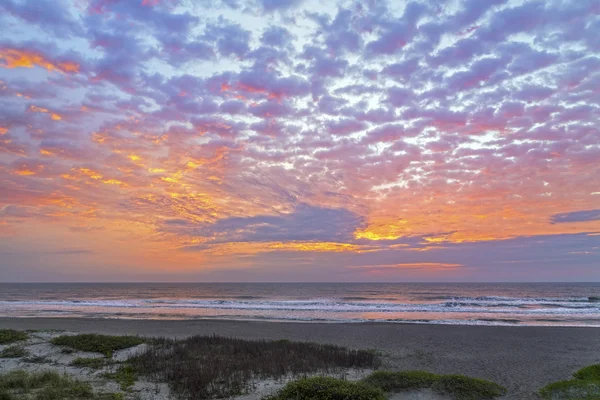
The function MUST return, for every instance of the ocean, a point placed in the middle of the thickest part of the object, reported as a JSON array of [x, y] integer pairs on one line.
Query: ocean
[[554, 304]]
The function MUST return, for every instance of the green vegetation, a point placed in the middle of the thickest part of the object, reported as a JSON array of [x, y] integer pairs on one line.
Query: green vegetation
[[42, 386], [215, 367], [584, 386], [467, 388], [97, 343], [591, 373], [126, 376], [36, 360], [14, 352], [458, 386], [375, 385], [92, 363], [10, 336], [398, 381], [327, 389]]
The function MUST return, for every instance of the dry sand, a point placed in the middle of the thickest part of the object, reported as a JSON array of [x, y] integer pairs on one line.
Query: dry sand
[[521, 358]]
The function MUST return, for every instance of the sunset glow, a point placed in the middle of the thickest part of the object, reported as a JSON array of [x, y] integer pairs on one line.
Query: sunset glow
[[302, 140]]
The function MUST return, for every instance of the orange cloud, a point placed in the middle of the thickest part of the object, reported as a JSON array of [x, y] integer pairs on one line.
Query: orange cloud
[[3, 131], [16, 58], [54, 116], [114, 182], [26, 170], [254, 247], [418, 265]]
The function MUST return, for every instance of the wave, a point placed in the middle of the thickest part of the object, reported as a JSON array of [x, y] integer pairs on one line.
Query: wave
[[487, 304], [583, 299]]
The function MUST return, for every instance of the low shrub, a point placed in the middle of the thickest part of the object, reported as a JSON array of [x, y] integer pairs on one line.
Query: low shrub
[[584, 386], [458, 386], [93, 343], [125, 376], [14, 352], [43, 386], [8, 336], [467, 388], [590, 373], [403, 380], [92, 363], [325, 388]]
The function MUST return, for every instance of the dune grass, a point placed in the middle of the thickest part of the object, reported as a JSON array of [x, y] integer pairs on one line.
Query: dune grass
[[203, 367], [376, 385], [15, 351], [398, 381], [466, 388], [327, 389], [8, 336], [18, 385], [23, 385], [589, 373], [125, 376], [92, 363], [93, 343], [585, 385]]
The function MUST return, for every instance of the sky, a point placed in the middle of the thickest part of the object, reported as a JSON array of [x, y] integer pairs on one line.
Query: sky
[[299, 140]]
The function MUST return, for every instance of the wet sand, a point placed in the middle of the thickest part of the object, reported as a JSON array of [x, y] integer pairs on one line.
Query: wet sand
[[523, 359]]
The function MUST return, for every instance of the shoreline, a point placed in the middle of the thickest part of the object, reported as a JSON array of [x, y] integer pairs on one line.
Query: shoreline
[[523, 359], [487, 323]]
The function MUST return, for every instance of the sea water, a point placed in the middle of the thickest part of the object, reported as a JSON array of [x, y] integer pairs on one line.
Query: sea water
[[557, 304]]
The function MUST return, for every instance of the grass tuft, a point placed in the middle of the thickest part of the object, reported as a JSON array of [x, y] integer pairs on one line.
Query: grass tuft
[[572, 389], [459, 386], [467, 388], [584, 386], [36, 360], [14, 352], [590, 373], [211, 366], [404, 380], [327, 389], [125, 376], [104, 344], [42, 386], [8, 336], [92, 363]]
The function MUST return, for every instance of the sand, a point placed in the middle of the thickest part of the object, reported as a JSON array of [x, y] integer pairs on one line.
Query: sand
[[523, 359]]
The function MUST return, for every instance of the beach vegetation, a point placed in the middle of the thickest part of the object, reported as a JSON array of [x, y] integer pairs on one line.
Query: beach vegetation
[[203, 367], [327, 388], [8, 336], [17, 385], [458, 386], [590, 373], [36, 360], [404, 380], [379, 383], [463, 387], [585, 385], [15, 351], [92, 363], [94, 343], [126, 376]]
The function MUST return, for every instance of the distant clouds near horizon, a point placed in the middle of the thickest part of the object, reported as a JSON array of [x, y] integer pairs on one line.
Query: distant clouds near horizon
[[267, 140]]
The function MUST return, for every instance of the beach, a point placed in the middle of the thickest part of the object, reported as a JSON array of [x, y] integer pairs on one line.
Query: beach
[[523, 359]]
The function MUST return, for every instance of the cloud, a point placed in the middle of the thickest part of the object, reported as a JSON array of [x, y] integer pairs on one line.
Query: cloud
[[576, 216], [305, 223], [398, 130], [275, 5], [12, 57]]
